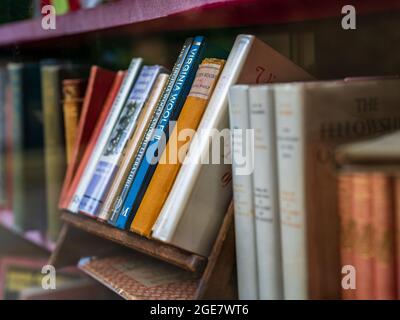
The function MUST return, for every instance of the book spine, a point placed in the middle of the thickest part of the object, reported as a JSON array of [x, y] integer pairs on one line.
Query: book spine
[[3, 139], [160, 137], [112, 117], [54, 146], [149, 132], [265, 193], [122, 131], [397, 229], [382, 216], [363, 257], [216, 116], [73, 98], [132, 146], [245, 233], [189, 118], [18, 202], [345, 192], [291, 167]]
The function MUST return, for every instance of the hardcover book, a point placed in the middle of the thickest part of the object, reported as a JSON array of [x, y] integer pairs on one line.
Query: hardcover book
[[73, 94], [28, 178], [54, 153]]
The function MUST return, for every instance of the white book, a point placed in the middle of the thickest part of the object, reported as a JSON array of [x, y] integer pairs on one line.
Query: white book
[[194, 210], [265, 193], [245, 234], [112, 117]]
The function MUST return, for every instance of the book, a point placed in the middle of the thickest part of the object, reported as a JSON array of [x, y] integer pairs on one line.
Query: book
[[96, 132], [80, 183], [136, 276], [73, 93], [156, 145], [363, 239], [131, 148], [265, 193], [169, 165], [397, 229], [383, 237], [3, 138], [99, 84], [149, 132], [28, 176], [122, 131], [347, 227], [193, 212], [54, 152], [312, 119], [245, 233]]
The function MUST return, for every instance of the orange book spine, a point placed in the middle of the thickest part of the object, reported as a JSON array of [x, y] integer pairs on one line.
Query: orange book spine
[[73, 90], [173, 155], [383, 236], [363, 259], [397, 229], [345, 185], [71, 181]]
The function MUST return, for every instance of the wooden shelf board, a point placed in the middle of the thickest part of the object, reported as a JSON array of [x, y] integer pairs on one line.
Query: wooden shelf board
[[163, 251], [35, 237], [166, 15]]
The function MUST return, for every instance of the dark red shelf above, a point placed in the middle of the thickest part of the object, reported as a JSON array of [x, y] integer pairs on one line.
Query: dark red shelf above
[[167, 15]]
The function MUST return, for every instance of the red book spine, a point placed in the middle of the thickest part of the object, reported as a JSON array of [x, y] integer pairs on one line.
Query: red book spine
[[363, 259], [95, 135], [383, 236], [345, 185], [100, 82]]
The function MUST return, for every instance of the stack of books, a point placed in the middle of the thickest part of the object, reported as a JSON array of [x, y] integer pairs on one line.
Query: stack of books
[[285, 183]]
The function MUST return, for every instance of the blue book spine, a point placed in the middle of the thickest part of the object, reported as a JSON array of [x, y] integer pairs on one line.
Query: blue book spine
[[149, 130], [160, 137], [107, 165]]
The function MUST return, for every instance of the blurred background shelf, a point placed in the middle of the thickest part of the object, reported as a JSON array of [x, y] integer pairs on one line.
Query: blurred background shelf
[[35, 237], [150, 16]]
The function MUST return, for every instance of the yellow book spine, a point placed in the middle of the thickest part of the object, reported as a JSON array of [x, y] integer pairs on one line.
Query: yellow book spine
[[72, 90], [173, 155]]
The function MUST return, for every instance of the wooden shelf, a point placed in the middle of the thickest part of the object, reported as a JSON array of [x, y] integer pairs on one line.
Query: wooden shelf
[[173, 255], [35, 237], [216, 281], [137, 16]]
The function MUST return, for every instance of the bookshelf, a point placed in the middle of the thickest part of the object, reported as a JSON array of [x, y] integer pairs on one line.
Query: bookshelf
[[216, 273], [35, 237], [136, 16]]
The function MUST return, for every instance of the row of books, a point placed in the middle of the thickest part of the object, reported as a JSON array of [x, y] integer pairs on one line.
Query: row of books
[[32, 157], [287, 208], [121, 172], [369, 210]]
